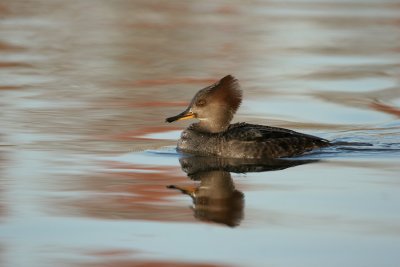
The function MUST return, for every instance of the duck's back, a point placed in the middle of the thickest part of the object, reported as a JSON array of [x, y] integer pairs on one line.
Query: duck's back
[[243, 140], [261, 141]]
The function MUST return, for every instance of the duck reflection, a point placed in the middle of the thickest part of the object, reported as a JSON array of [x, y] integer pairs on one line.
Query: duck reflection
[[216, 199]]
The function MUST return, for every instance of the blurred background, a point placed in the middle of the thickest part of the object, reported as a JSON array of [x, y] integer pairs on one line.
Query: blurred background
[[85, 154]]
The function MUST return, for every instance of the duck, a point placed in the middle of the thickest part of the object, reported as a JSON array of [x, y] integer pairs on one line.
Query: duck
[[213, 134]]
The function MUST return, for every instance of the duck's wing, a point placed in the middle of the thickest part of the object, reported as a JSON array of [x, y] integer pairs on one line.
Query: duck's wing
[[253, 132]]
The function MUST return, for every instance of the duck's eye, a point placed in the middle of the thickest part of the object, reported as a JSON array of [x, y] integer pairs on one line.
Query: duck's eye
[[201, 103]]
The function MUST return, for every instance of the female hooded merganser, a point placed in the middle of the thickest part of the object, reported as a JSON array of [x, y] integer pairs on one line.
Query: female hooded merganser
[[214, 107]]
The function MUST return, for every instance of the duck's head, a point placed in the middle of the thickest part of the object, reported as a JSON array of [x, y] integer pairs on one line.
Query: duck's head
[[214, 106]]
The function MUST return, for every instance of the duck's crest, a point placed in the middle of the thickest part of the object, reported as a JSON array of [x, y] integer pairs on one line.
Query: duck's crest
[[228, 91]]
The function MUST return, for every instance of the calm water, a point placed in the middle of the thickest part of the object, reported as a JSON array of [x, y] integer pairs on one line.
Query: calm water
[[86, 158]]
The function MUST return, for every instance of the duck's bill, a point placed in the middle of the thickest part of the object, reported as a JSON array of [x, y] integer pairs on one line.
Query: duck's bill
[[182, 116]]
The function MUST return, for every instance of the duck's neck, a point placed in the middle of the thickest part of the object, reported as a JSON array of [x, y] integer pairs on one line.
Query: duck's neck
[[211, 126]]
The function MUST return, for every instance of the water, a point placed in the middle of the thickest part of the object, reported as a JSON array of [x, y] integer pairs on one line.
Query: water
[[86, 157]]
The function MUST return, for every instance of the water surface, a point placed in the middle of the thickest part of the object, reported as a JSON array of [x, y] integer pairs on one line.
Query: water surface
[[86, 158]]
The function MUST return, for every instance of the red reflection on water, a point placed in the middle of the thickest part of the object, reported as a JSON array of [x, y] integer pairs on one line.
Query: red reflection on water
[[129, 191], [140, 133], [228, 10], [149, 189], [111, 253], [14, 65], [150, 263], [9, 87], [385, 108], [10, 47], [3, 9]]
